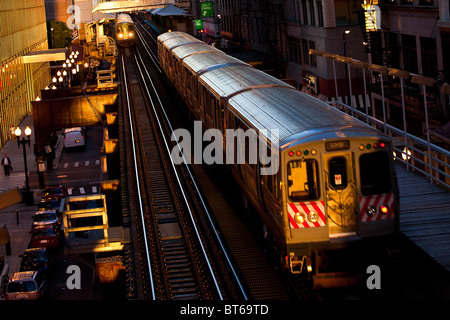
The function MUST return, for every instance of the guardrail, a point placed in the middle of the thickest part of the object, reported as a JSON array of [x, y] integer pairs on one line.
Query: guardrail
[[414, 153], [104, 78]]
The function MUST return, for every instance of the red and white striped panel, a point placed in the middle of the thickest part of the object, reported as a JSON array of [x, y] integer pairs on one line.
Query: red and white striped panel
[[376, 201], [306, 207]]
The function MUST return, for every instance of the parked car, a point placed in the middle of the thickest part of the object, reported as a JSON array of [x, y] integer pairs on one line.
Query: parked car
[[47, 237], [36, 259], [75, 138], [25, 285], [46, 218], [54, 192], [50, 204]]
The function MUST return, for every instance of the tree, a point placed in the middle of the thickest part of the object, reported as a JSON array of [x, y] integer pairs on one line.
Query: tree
[[59, 35]]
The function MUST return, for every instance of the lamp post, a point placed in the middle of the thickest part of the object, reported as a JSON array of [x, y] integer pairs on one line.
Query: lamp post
[[28, 200], [346, 32]]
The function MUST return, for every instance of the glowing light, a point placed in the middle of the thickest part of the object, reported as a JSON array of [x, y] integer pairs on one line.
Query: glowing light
[[28, 130], [406, 154]]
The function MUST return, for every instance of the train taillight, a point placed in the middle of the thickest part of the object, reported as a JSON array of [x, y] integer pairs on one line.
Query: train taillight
[[384, 209]]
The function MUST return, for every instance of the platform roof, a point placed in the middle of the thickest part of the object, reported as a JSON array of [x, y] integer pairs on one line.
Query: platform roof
[[170, 10]]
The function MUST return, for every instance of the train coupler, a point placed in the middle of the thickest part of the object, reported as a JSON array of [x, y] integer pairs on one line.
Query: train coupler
[[296, 264]]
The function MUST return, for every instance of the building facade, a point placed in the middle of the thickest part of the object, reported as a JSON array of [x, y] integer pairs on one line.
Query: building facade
[[412, 35], [22, 30]]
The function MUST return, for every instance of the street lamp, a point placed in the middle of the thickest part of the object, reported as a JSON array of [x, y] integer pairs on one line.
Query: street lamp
[[28, 200]]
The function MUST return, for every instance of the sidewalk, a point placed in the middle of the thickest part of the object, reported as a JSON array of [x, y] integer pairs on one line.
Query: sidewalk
[[15, 153], [19, 229]]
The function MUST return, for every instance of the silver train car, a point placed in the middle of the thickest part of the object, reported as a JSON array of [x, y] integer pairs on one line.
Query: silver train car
[[335, 186], [125, 31]]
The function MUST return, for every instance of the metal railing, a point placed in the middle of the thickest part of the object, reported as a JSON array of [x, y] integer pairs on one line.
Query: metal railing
[[414, 153]]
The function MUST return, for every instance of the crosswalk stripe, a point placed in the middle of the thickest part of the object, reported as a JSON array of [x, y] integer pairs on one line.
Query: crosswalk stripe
[[94, 189], [86, 163], [77, 164], [66, 165], [82, 191], [97, 162]]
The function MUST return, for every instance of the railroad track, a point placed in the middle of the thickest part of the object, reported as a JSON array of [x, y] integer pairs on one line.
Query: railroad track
[[258, 276], [173, 255]]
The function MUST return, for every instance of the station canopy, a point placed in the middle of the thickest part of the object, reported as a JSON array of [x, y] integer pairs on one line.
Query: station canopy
[[170, 10]]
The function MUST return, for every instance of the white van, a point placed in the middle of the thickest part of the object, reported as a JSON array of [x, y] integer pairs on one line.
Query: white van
[[75, 138]]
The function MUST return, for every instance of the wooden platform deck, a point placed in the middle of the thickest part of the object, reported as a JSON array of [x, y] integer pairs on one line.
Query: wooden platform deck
[[425, 215]]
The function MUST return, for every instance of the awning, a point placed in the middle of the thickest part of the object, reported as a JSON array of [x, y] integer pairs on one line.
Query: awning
[[45, 55]]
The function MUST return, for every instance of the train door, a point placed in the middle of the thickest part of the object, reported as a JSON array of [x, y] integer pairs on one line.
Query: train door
[[340, 193]]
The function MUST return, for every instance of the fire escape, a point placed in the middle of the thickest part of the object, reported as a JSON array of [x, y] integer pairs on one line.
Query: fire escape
[[261, 22]]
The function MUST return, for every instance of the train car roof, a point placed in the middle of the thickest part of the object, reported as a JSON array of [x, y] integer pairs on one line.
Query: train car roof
[[123, 17], [174, 42], [193, 48], [230, 80], [288, 110], [175, 34], [262, 100], [202, 62]]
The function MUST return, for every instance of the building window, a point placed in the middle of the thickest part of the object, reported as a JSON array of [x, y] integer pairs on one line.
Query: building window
[[305, 12], [409, 53], [305, 51], [426, 2], [294, 50], [311, 12], [429, 57], [313, 58], [297, 10], [406, 2], [392, 50], [345, 14], [319, 13]]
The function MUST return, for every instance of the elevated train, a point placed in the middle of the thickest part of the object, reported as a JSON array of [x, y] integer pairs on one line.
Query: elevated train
[[336, 186], [125, 31]]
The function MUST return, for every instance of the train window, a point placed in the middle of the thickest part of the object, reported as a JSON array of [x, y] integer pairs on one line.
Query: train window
[[338, 172], [303, 180], [375, 173]]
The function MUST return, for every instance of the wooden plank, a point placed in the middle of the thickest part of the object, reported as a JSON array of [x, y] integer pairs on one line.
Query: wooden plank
[[425, 214]]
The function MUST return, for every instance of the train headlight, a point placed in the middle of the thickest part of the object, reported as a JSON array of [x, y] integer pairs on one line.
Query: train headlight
[[120, 36], [299, 218], [313, 217], [371, 211], [130, 34], [384, 209]]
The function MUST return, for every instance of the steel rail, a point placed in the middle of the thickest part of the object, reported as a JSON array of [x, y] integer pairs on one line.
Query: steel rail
[[194, 224], [208, 214], [138, 179]]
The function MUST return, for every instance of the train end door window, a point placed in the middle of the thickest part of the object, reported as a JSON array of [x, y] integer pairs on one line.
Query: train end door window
[[338, 173], [303, 180]]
